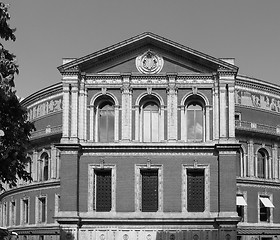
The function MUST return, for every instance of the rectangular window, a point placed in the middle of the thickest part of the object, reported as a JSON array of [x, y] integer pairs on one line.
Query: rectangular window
[[5, 214], [240, 206], [149, 190], [265, 206], [195, 190], [42, 209], [25, 211], [103, 187], [13, 213]]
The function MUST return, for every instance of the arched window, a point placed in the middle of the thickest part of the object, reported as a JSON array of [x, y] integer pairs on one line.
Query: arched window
[[262, 163], [105, 120], [194, 120], [43, 167], [150, 120]]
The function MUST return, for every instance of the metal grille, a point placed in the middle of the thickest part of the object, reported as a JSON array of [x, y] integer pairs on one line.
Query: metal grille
[[149, 190], [195, 179], [103, 190]]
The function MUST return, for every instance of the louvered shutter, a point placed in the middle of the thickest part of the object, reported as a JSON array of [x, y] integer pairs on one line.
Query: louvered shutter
[[195, 200], [149, 190], [103, 190]]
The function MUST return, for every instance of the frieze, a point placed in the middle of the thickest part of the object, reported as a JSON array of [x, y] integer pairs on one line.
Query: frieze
[[44, 108], [146, 153], [257, 100]]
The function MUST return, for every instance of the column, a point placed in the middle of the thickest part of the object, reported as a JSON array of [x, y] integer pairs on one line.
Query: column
[[74, 113], [172, 110], [222, 110], [81, 110], [275, 161], [137, 123], [207, 124], [251, 158], [53, 163], [116, 127], [34, 166], [216, 120], [66, 98], [126, 108], [231, 111], [183, 123]]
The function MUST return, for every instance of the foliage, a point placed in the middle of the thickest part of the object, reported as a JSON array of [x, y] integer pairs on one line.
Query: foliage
[[13, 116]]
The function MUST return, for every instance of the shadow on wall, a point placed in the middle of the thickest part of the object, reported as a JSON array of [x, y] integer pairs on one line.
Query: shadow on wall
[[66, 235]]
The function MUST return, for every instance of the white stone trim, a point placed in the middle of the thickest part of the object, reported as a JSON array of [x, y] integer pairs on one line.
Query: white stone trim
[[138, 185], [66, 111], [231, 112], [92, 182], [74, 113], [206, 169], [38, 212], [93, 115], [270, 196], [22, 213]]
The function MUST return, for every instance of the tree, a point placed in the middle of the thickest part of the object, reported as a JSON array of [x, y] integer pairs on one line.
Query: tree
[[16, 129]]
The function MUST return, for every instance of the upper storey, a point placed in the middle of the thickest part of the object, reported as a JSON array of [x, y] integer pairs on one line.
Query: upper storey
[[148, 89]]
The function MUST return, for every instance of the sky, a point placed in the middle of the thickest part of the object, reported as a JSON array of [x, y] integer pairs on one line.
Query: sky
[[49, 30]]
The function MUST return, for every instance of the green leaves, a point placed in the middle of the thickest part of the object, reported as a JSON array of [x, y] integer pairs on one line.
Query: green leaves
[[13, 117]]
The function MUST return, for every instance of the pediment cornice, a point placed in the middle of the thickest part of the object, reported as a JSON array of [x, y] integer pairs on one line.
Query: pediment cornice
[[141, 40]]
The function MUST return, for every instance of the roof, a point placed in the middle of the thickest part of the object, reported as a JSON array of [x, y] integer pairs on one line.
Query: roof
[[145, 39]]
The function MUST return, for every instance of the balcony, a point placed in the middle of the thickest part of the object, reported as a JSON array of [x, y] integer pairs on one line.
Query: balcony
[[257, 128]]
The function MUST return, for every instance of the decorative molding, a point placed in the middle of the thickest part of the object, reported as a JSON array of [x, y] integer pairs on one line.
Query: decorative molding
[[206, 169], [138, 185], [92, 182], [149, 63]]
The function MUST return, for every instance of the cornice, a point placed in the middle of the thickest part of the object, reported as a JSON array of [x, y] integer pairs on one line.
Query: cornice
[[43, 93], [256, 182], [250, 82], [33, 186], [150, 38]]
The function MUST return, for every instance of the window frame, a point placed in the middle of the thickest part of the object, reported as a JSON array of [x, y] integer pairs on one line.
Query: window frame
[[270, 197], [245, 208], [92, 186], [206, 169], [138, 185], [39, 209], [96, 101], [202, 100], [25, 213], [13, 212]]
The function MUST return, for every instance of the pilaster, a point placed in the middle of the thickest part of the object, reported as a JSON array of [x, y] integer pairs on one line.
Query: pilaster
[[82, 110], [172, 105], [34, 166], [222, 110], [66, 112], [126, 108], [275, 161], [231, 111], [53, 163], [74, 112], [251, 158]]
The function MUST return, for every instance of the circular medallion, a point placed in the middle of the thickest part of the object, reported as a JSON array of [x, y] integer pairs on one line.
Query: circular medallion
[[125, 237], [149, 63]]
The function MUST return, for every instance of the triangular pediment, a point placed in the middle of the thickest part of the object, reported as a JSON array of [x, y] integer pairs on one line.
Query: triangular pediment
[[152, 50]]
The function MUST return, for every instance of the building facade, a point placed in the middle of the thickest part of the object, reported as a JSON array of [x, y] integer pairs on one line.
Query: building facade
[[150, 139]]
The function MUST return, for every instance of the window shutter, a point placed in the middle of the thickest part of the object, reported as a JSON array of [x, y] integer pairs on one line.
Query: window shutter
[[103, 190], [149, 190], [195, 187]]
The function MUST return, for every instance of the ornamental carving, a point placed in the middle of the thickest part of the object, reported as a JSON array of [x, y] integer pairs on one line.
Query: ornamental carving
[[149, 63], [45, 108]]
